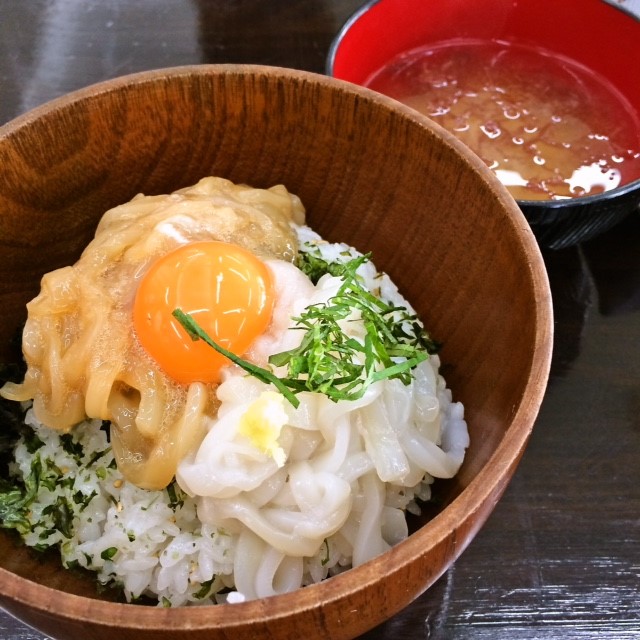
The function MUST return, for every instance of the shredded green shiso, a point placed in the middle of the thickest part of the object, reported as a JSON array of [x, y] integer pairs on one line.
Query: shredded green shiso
[[329, 361]]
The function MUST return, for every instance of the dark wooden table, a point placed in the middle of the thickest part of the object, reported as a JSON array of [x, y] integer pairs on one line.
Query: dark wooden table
[[560, 556]]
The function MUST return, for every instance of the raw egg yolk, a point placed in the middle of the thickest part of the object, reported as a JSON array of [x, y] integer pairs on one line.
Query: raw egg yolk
[[226, 289]]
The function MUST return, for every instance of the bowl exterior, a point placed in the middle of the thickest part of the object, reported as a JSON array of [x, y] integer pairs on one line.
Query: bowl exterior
[[371, 173], [565, 223]]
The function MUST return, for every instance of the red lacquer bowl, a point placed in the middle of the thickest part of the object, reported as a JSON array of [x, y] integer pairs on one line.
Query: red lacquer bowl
[[598, 35]]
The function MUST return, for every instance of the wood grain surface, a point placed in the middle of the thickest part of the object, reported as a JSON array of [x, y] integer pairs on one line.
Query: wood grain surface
[[560, 555]]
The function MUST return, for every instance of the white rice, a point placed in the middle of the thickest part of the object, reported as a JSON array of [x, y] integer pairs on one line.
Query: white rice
[[138, 540]]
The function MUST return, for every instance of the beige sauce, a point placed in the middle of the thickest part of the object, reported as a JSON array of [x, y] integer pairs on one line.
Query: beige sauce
[[83, 357]]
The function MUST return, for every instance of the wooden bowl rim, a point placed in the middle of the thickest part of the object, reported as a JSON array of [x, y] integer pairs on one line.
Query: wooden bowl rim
[[493, 476]]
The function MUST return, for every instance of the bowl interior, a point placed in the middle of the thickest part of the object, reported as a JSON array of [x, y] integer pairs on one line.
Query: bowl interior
[[371, 173], [593, 33]]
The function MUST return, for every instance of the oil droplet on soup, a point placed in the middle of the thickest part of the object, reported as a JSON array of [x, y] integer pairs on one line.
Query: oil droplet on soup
[[547, 126]]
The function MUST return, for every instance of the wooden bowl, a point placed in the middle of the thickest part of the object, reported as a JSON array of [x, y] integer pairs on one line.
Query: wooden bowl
[[370, 173]]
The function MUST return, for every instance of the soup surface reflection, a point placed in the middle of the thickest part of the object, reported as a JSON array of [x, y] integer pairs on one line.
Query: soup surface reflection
[[547, 126]]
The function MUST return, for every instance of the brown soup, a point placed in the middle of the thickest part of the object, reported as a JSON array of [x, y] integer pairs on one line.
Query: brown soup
[[549, 127]]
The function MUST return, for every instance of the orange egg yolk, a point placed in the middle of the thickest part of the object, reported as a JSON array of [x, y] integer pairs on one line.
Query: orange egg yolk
[[227, 291]]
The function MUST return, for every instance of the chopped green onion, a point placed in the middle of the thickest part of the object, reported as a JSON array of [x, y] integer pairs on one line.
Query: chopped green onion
[[109, 553]]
